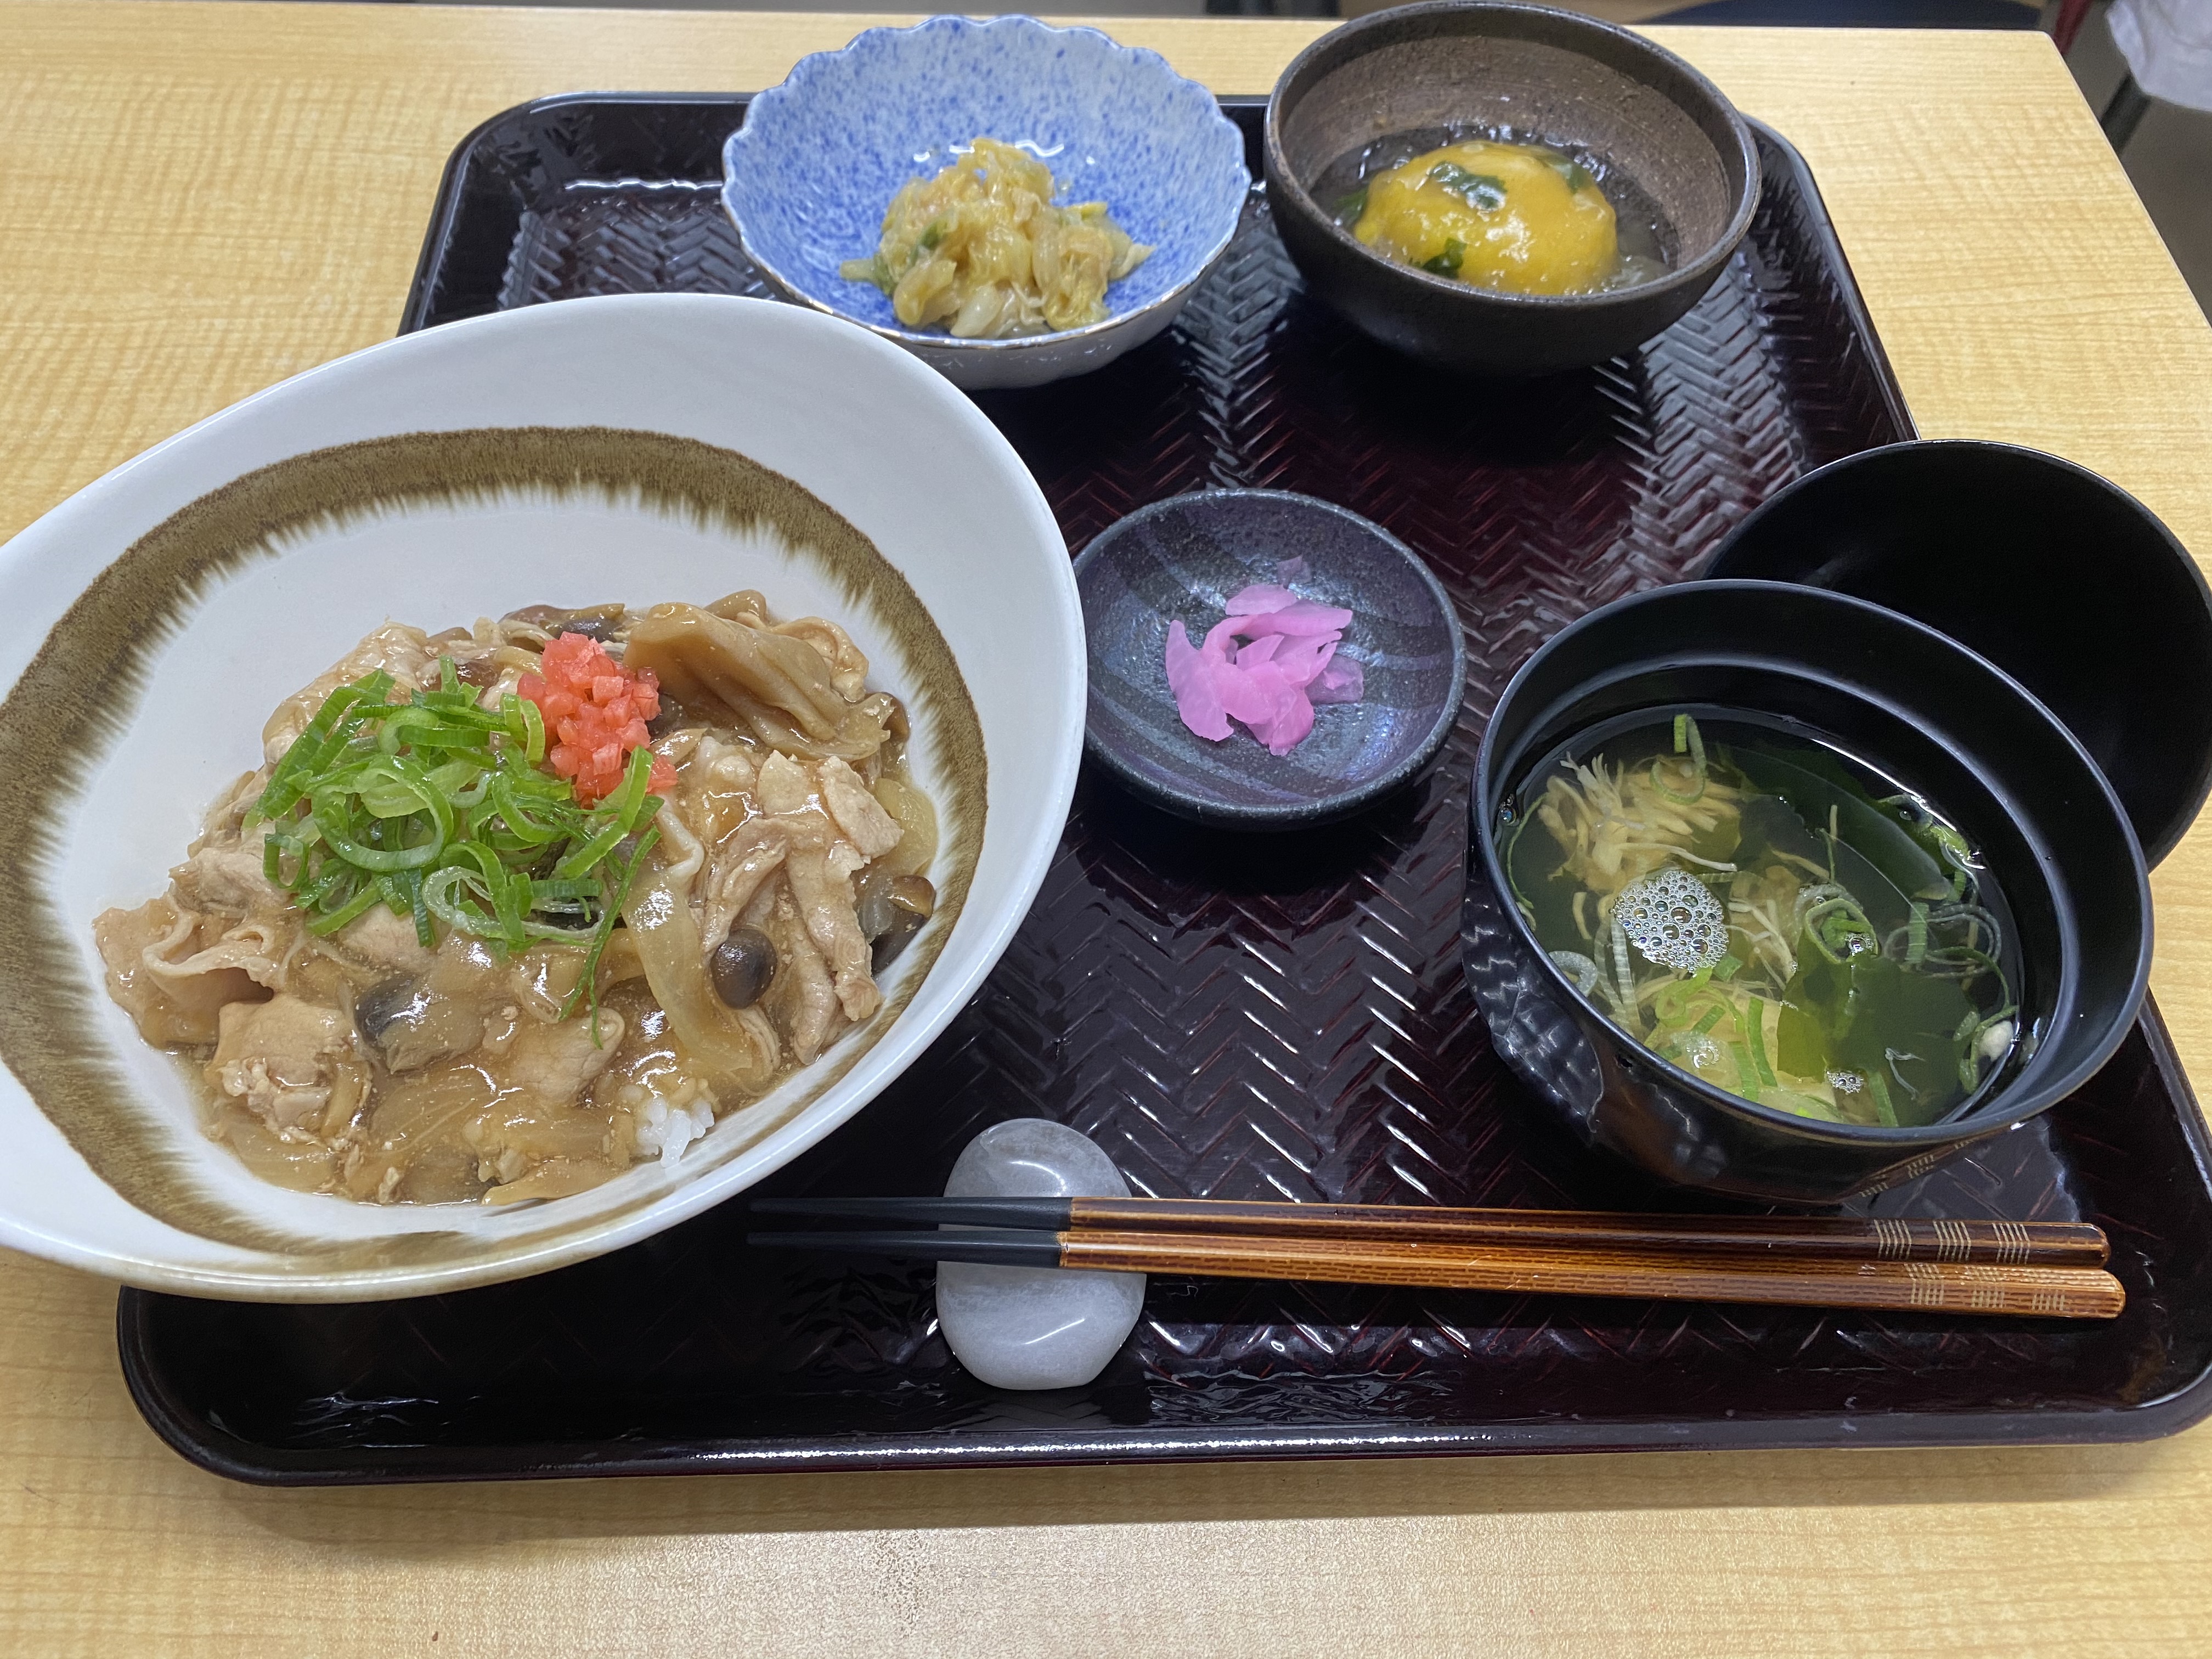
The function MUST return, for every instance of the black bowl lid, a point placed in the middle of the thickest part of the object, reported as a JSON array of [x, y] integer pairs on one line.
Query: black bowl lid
[[2059, 577]]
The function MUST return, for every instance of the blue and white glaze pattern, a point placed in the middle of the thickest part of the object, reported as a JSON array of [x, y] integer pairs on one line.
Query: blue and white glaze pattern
[[808, 176]]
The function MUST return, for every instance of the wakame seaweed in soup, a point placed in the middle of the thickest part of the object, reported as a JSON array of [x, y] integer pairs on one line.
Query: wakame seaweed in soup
[[1761, 911]]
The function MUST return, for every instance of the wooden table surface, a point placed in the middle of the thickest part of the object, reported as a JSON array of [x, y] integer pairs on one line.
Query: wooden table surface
[[200, 198]]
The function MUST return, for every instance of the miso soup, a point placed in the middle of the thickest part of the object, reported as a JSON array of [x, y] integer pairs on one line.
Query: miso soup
[[1770, 914]]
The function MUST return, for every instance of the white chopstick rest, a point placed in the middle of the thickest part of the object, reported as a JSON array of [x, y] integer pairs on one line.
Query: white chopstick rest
[[1035, 1328]]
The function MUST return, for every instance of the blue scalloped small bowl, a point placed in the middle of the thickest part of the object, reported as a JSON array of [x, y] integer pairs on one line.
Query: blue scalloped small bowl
[[808, 176]]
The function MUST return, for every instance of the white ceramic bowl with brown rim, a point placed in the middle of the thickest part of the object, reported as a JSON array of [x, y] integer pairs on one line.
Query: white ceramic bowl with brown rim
[[640, 448]]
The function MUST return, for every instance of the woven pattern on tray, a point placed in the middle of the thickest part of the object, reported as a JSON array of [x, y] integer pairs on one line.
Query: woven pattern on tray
[[1242, 1018]]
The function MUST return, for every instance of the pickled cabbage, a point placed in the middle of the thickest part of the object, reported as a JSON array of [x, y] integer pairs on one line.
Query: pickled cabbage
[[982, 251]]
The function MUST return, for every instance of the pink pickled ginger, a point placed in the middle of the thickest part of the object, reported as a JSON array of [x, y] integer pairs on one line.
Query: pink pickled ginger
[[1340, 681], [1265, 665], [1191, 678]]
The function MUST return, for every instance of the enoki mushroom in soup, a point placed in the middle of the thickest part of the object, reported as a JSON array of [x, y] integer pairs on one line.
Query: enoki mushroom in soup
[[507, 910]]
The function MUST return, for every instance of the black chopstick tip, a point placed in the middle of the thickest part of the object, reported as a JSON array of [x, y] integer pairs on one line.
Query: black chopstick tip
[[1004, 1249], [1052, 1214]]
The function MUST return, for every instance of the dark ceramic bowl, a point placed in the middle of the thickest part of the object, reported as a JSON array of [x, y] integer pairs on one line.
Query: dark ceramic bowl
[[1618, 103], [1920, 708], [1183, 558], [2064, 580]]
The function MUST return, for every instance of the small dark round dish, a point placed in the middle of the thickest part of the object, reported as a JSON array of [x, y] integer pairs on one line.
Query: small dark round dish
[[1920, 708], [2060, 577], [1182, 558], [1609, 98]]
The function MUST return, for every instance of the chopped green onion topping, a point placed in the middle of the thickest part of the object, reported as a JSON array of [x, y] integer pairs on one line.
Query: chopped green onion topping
[[1669, 792], [1955, 853], [439, 810], [1970, 1033], [1757, 1021], [1625, 977], [1687, 725], [1688, 740], [1838, 929], [1883, 1110], [1485, 193], [1747, 1074]]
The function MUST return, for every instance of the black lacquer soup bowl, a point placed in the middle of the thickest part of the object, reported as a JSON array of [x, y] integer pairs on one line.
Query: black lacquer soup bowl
[[1917, 707]]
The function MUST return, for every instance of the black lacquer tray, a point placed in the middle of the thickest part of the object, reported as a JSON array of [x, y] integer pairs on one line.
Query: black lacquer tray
[[1234, 1016]]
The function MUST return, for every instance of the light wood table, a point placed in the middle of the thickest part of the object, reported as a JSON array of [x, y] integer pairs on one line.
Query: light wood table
[[201, 198]]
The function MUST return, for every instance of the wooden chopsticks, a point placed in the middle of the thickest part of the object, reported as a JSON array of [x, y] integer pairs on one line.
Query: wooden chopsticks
[[2046, 1244], [2040, 1269]]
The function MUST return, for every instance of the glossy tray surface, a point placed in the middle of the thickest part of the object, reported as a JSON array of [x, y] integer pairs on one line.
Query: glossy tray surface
[[1230, 1016]]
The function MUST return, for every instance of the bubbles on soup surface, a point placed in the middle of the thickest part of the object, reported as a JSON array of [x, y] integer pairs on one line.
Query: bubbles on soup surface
[[1672, 917]]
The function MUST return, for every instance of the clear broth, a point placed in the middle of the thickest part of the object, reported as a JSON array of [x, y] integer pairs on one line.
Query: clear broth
[[1787, 924]]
